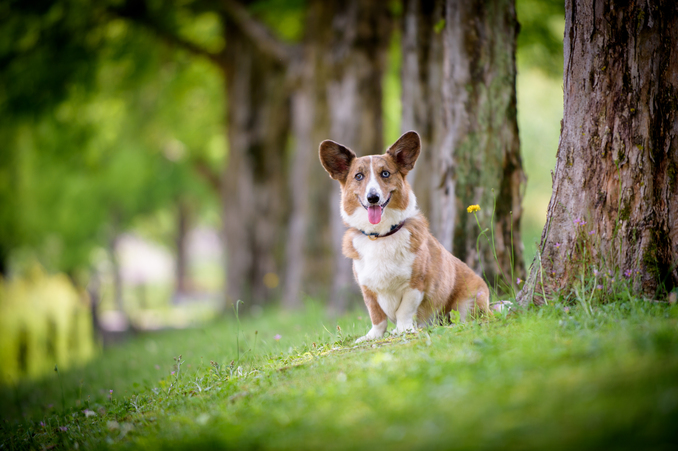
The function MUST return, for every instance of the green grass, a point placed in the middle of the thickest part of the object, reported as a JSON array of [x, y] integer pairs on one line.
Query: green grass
[[551, 377]]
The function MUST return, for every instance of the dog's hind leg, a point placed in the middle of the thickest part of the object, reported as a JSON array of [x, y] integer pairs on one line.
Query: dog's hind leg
[[477, 304]]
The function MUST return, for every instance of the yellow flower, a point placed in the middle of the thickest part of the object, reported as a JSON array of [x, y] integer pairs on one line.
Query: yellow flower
[[473, 208]]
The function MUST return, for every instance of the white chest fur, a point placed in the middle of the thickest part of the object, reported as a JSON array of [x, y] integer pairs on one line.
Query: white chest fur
[[385, 267]]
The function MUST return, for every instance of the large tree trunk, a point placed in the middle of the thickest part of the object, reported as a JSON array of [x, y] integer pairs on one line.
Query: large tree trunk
[[614, 205], [479, 160], [357, 34], [459, 94], [254, 183], [422, 69]]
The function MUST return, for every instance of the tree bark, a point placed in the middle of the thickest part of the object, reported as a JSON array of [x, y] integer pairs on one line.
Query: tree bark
[[478, 161], [422, 69], [254, 182], [614, 205], [356, 35]]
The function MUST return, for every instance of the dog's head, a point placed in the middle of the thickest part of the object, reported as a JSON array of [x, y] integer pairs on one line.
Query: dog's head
[[374, 192]]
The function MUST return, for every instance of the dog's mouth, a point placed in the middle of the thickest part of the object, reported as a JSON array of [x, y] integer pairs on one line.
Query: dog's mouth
[[374, 211]]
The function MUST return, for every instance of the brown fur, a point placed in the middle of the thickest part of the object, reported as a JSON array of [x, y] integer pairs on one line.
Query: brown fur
[[377, 315], [347, 245], [352, 188], [445, 280]]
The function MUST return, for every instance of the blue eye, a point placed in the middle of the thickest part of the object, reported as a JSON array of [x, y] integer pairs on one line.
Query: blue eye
[[359, 176], [385, 174]]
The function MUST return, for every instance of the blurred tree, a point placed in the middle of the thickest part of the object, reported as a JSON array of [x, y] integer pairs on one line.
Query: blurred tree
[[98, 146], [615, 198], [197, 28], [459, 90], [253, 187], [335, 77], [422, 70]]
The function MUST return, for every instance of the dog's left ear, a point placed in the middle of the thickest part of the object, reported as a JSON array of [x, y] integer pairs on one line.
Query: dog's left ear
[[405, 151]]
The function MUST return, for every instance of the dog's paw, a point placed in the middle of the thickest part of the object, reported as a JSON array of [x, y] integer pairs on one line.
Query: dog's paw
[[408, 329], [370, 336]]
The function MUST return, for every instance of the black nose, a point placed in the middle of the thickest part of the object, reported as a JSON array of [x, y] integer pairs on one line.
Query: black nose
[[373, 197]]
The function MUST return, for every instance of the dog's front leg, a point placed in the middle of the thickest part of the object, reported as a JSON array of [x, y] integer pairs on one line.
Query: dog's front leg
[[377, 315], [407, 309]]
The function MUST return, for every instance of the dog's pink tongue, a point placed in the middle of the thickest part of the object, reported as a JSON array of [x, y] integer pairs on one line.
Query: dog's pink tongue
[[374, 214]]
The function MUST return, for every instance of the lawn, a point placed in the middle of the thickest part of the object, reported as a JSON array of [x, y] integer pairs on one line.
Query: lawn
[[551, 377]]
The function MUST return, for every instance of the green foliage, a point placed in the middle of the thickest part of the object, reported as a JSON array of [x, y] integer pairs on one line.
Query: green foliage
[[285, 17], [550, 375], [540, 41], [124, 147], [45, 47], [44, 321]]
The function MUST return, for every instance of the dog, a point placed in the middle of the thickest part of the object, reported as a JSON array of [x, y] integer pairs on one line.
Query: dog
[[404, 273]]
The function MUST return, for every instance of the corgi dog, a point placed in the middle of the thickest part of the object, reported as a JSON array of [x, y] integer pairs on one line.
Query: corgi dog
[[404, 273]]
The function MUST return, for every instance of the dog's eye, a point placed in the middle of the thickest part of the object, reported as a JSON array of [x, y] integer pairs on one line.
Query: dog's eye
[[385, 174], [359, 176]]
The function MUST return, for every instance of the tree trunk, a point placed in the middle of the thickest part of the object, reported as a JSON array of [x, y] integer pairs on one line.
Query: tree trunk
[[254, 183], [422, 50], [478, 161], [335, 89], [357, 33], [181, 275], [305, 260], [614, 205]]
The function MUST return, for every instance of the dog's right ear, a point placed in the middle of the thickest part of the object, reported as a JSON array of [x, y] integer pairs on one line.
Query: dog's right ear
[[336, 159]]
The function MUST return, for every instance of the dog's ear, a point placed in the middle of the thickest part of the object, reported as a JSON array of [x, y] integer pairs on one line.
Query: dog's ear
[[405, 151], [336, 159]]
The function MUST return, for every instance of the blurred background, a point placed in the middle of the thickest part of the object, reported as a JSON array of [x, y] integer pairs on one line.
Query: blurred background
[[119, 193]]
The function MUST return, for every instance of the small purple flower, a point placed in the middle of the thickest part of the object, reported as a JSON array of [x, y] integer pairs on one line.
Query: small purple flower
[[110, 391], [42, 424], [277, 337], [628, 273], [595, 272], [557, 245], [173, 373], [577, 221], [63, 428], [519, 280], [582, 222], [599, 287], [592, 232]]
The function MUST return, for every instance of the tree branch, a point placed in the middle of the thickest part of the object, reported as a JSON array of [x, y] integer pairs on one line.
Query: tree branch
[[137, 12], [260, 35], [208, 174]]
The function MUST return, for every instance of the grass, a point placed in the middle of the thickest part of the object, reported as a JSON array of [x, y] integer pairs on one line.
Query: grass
[[553, 377]]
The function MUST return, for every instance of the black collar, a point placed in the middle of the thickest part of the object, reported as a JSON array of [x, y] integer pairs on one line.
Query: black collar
[[394, 229]]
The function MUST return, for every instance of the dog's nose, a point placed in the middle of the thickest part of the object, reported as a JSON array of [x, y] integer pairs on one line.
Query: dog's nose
[[372, 197]]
